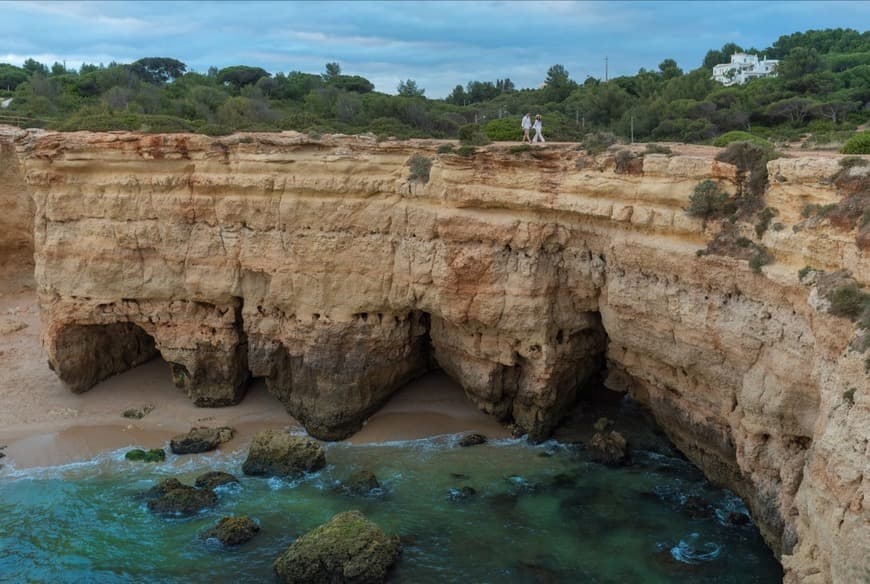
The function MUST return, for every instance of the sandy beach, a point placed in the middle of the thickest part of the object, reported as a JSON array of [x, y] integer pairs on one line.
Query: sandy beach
[[42, 423]]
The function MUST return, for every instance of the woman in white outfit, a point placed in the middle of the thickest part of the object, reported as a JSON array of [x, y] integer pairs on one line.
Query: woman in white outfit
[[538, 127], [527, 125]]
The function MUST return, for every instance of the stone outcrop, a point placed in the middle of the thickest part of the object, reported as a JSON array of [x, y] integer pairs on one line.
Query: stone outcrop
[[318, 265], [347, 548], [275, 453], [201, 439], [232, 531]]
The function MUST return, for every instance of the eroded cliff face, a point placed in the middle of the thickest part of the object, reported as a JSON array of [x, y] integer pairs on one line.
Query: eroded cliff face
[[320, 266]]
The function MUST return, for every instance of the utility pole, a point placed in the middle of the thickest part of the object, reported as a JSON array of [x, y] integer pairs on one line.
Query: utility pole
[[605, 68], [577, 117], [632, 129]]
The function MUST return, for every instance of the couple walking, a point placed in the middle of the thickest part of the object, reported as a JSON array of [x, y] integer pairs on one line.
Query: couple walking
[[538, 126]]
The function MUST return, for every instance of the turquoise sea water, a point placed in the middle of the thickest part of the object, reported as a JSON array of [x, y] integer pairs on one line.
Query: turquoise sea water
[[540, 514]]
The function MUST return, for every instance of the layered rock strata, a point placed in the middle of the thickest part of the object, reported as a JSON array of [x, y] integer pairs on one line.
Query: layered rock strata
[[320, 266]]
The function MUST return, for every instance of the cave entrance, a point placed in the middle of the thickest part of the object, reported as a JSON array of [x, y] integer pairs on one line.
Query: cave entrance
[[84, 355]]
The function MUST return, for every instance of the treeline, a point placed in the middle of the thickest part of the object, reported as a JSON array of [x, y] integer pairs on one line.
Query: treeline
[[822, 88]]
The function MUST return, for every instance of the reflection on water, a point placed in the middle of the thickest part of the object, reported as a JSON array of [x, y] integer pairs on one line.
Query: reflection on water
[[502, 512]]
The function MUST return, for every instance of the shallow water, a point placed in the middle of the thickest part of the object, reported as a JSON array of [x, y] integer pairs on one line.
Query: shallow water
[[541, 514]]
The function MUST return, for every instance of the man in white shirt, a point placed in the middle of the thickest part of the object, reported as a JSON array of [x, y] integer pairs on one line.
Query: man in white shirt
[[527, 125]]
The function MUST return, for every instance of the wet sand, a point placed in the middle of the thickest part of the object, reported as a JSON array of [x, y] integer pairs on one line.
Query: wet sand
[[43, 423]]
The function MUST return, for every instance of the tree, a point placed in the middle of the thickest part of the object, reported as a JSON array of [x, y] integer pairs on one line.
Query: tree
[[333, 70], [794, 109], [409, 89], [158, 70], [457, 96], [241, 75], [58, 69], [11, 76], [505, 85], [32, 66], [558, 83], [835, 110], [799, 62], [669, 69]]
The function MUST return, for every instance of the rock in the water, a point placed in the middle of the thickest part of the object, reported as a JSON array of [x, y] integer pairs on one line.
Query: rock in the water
[[461, 494], [138, 413], [609, 448], [213, 479], [472, 439], [361, 483], [347, 548], [697, 507], [738, 518], [602, 424], [275, 453], [171, 497], [201, 440], [153, 455], [232, 530]]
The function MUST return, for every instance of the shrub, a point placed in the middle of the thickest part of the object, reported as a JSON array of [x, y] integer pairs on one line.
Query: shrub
[[761, 257], [857, 144], [467, 150], [853, 162], [471, 134], [598, 142], [849, 396], [708, 200], [653, 148], [849, 301], [738, 136], [628, 163], [764, 220], [503, 130], [804, 272], [751, 160], [420, 167], [445, 149]]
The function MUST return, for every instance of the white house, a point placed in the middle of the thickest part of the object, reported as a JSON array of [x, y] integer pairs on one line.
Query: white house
[[743, 68]]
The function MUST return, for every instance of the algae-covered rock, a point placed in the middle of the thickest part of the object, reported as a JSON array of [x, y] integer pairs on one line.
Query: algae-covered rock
[[609, 448], [472, 439], [138, 413], [171, 497], [201, 440], [213, 479], [347, 548], [361, 483], [275, 453], [232, 530], [139, 455]]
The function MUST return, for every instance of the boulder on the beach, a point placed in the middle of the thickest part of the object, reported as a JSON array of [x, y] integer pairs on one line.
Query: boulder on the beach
[[275, 453], [347, 548], [472, 439], [152, 455], [232, 530], [214, 479], [609, 448], [172, 497], [138, 413], [201, 439]]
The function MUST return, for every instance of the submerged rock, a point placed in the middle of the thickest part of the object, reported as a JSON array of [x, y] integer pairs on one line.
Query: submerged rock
[[232, 530], [697, 507], [213, 479], [472, 439], [347, 548], [139, 455], [275, 453], [738, 518], [460, 494], [609, 448], [201, 439], [172, 497], [361, 483]]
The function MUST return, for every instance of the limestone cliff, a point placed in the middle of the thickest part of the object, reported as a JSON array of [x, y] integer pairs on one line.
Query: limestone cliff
[[320, 266]]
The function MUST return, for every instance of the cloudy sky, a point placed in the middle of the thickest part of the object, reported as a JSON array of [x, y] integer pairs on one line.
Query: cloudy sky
[[439, 44]]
